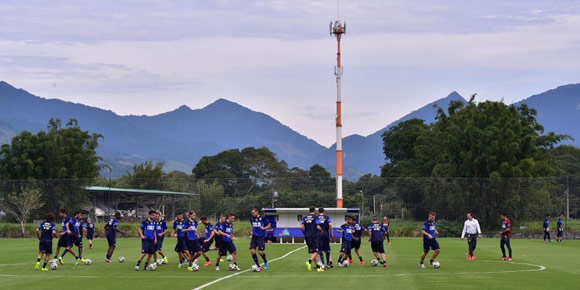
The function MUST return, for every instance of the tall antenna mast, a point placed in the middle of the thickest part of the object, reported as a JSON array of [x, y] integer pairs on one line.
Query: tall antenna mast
[[337, 29]]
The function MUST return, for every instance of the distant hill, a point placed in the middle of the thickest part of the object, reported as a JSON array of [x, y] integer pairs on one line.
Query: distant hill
[[364, 155], [559, 110], [181, 137]]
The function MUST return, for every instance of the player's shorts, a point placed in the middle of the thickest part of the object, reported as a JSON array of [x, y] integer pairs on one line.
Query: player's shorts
[[378, 247], [90, 236], [323, 244], [159, 243], [346, 246], [45, 246], [112, 240], [355, 244], [193, 246], [258, 242], [227, 247], [74, 240], [560, 234], [430, 244], [218, 241], [180, 246], [148, 246], [63, 241], [205, 246], [312, 243]]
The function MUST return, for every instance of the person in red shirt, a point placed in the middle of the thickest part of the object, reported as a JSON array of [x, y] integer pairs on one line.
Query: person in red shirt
[[506, 230]]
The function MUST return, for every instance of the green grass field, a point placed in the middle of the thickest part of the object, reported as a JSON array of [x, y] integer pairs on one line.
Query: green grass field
[[544, 266]]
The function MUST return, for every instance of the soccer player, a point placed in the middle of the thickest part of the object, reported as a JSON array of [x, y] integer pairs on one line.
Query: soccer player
[[161, 229], [111, 231], [547, 228], [190, 229], [148, 235], [218, 237], [63, 240], [325, 235], [560, 235], [377, 235], [429, 239], [259, 225], [45, 231], [310, 232], [207, 239], [506, 230], [180, 247], [347, 230], [226, 230], [471, 227], [387, 226], [358, 233], [74, 237], [90, 232]]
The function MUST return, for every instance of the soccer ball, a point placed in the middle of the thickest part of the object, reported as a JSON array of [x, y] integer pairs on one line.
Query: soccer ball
[[121, 259], [88, 261], [152, 267], [230, 258], [160, 262], [374, 263], [195, 267], [345, 263], [54, 266], [195, 262], [254, 268], [436, 265], [232, 267]]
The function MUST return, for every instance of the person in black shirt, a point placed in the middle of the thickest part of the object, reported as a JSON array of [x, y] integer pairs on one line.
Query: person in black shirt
[[310, 231], [325, 235], [90, 232], [45, 231]]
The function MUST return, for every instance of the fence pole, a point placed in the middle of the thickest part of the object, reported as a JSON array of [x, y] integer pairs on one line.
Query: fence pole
[[374, 205], [567, 203]]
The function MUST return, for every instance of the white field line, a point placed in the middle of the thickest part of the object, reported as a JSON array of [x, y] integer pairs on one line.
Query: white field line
[[244, 271]]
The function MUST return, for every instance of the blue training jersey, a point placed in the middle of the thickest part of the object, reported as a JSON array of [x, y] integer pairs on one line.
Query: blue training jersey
[[377, 232], [73, 225], [560, 224], [208, 229], [148, 228], [324, 222], [309, 223], [257, 223], [160, 227], [90, 228], [429, 227], [546, 223], [358, 229], [110, 224], [191, 234], [64, 222], [46, 229], [81, 228], [348, 230], [178, 226], [227, 228]]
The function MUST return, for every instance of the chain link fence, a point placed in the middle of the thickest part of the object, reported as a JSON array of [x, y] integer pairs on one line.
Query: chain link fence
[[403, 200]]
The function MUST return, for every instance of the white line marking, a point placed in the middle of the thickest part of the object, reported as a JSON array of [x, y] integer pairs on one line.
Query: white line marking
[[244, 271]]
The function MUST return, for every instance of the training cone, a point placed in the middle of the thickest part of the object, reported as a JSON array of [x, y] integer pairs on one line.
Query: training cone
[[523, 255]]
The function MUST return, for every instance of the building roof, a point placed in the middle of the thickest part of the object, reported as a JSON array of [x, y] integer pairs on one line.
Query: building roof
[[286, 209], [129, 190]]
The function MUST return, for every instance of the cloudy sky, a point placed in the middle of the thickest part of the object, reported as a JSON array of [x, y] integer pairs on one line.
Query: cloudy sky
[[149, 57]]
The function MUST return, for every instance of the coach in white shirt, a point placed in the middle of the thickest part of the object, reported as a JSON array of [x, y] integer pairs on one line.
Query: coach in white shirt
[[472, 229]]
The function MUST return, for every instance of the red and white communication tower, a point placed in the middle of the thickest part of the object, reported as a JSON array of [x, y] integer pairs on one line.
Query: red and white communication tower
[[338, 28]]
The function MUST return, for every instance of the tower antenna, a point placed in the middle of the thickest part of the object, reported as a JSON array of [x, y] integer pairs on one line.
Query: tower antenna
[[337, 29]]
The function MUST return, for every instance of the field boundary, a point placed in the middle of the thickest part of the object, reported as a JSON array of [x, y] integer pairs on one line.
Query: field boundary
[[247, 270]]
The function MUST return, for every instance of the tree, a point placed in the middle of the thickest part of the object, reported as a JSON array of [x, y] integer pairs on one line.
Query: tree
[[146, 175], [568, 159], [58, 153], [20, 205]]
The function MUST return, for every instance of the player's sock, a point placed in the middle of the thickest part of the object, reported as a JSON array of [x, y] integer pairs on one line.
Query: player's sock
[[264, 258], [350, 257], [235, 263], [322, 259], [38, 260], [138, 263], [328, 258], [309, 261], [340, 259], [44, 265], [63, 253], [431, 262], [360, 258], [206, 259], [255, 257], [80, 253]]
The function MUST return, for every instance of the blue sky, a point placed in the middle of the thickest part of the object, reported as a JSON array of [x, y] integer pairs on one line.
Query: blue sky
[[149, 57]]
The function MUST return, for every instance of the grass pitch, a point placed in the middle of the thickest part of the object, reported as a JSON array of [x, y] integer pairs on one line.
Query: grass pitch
[[544, 266]]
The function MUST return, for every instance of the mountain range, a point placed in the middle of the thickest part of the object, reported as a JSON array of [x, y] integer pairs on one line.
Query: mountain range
[[181, 137]]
